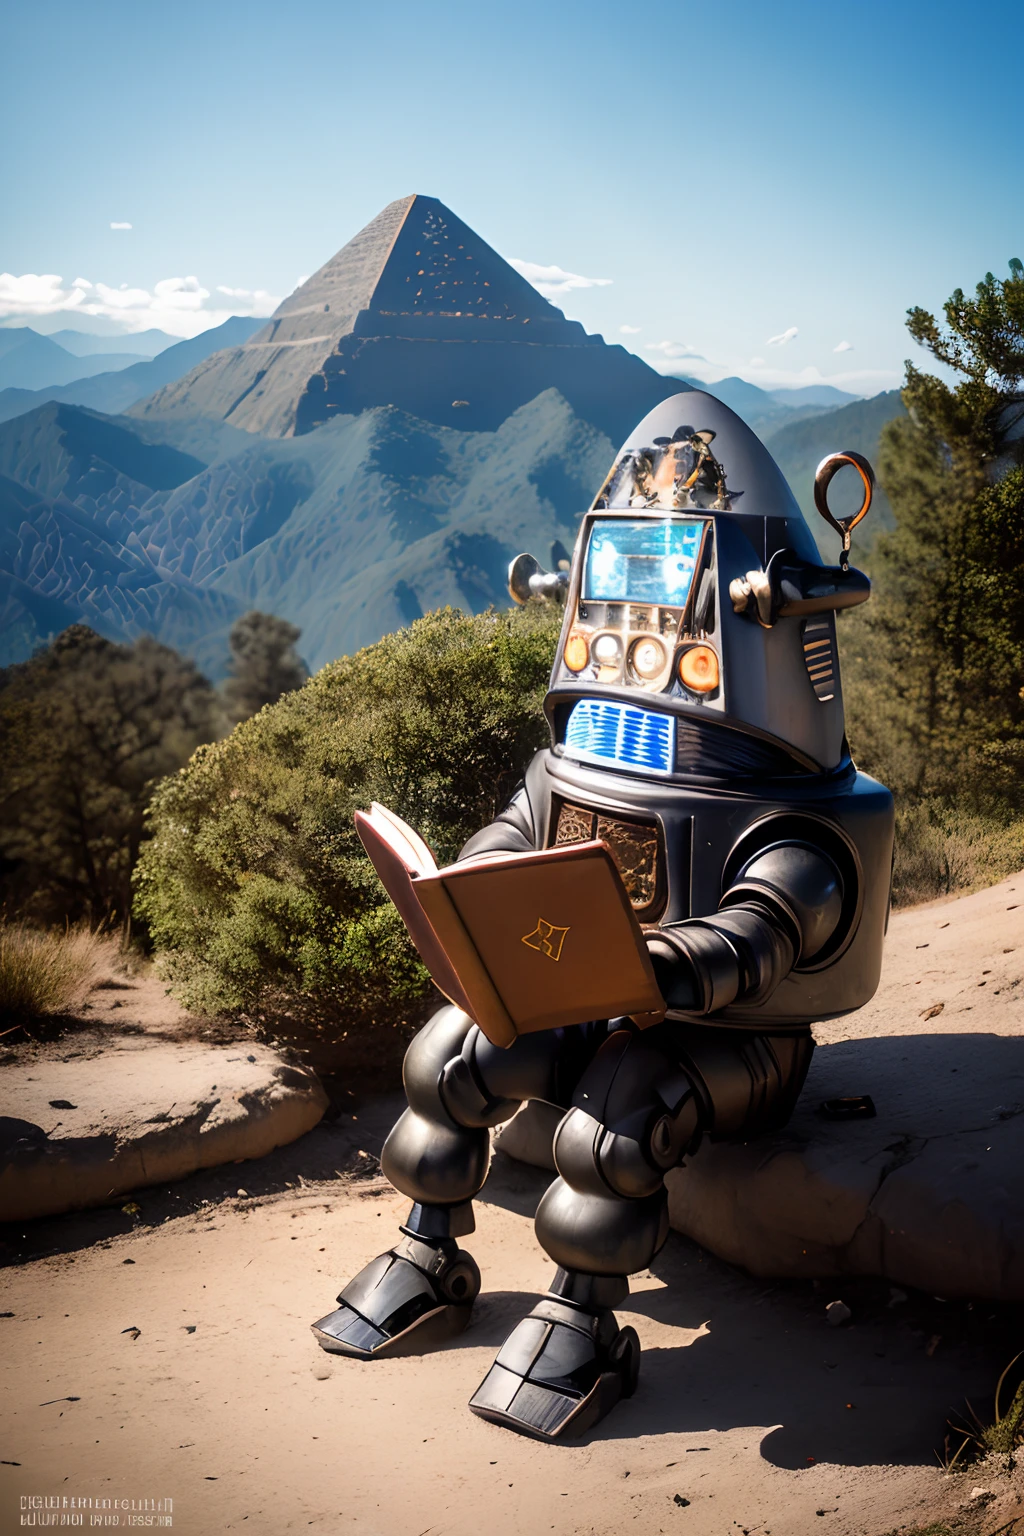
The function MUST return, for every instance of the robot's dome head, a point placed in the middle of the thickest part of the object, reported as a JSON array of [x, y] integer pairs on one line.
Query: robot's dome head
[[666, 663]]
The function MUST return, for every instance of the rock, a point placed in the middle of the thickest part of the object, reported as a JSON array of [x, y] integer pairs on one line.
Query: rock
[[529, 1134], [152, 1117], [930, 1194], [837, 1313]]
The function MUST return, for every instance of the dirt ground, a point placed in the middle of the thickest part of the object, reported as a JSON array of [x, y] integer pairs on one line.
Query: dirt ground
[[750, 1407], [163, 1352]]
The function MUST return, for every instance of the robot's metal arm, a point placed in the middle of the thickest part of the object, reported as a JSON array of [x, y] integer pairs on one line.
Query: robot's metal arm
[[783, 908], [511, 831], [792, 586]]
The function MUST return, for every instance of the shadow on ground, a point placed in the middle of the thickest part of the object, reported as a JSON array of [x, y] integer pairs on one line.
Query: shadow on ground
[[878, 1390]]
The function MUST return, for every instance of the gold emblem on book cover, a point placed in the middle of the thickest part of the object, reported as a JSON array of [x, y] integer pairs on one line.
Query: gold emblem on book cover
[[547, 939]]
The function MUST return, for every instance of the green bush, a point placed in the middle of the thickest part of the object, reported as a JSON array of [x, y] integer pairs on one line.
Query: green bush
[[255, 888]]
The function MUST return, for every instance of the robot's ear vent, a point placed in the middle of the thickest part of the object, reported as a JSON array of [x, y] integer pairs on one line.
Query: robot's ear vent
[[819, 641]]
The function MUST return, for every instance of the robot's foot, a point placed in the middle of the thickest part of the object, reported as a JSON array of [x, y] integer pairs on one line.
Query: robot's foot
[[407, 1301], [559, 1371]]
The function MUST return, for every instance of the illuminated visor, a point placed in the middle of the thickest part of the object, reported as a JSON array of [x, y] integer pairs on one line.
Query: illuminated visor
[[652, 561]]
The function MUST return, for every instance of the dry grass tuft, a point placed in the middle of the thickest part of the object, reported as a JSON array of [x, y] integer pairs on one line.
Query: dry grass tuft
[[50, 972]]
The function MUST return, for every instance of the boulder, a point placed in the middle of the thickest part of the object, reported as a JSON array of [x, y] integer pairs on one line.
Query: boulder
[[83, 1130]]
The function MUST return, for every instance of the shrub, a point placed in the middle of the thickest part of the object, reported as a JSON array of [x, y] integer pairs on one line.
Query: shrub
[[942, 850], [49, 972], [254, 885]]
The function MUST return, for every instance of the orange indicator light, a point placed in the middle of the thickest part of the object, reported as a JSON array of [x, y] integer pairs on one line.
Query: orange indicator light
[[698, 668], [577, 652]]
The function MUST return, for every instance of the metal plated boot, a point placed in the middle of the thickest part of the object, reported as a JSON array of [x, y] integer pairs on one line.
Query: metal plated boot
[[408, 1301], [559, 1371]]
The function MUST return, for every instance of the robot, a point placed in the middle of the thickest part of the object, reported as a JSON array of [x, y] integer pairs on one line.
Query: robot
[[696, 726]]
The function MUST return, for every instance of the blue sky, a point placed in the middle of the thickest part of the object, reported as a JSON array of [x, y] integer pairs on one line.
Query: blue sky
[[755, 183]]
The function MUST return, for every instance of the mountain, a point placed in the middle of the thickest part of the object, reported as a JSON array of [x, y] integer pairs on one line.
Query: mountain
[[350, 531], [409, 420], [799, 447], [31, 361], [814, 394], [73, 491], [762, 410], [139, 343], [115, 392], [418, 312]]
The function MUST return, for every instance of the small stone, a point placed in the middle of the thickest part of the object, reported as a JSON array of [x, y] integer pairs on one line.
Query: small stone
[[837, 1313], [243, 1194], [678, 1499], [981, 1493]]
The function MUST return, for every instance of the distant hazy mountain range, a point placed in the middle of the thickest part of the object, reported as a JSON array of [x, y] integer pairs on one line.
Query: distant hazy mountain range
[[408, 421], [113, 389], [31, 361], [138, 343]]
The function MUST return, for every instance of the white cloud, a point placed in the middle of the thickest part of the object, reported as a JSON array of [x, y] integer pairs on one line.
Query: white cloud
[[115, 225], [555, 281], [672, 349], [250, 301], [783, 337], [863, 381], [629, 330], [757, 362], [844, 346], [179, 305]]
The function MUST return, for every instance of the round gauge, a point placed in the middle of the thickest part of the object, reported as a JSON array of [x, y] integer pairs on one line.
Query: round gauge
[[698, 669], [606, 649], [647, 658], [577, 652]]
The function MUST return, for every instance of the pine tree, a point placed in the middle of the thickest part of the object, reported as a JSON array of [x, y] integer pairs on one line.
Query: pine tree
[[937, 680], [87, 728], [264, 664]]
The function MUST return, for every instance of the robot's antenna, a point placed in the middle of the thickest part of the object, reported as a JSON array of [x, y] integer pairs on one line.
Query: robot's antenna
[[823, 476]]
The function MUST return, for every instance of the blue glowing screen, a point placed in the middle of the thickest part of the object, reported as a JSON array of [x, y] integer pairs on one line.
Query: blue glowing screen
[[649, 561]]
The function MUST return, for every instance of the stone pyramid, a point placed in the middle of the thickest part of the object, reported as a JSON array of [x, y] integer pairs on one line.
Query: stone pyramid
[[416, 311]]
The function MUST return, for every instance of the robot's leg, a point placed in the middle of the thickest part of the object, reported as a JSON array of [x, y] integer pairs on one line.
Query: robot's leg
[[634, 1115], [421, 1292]]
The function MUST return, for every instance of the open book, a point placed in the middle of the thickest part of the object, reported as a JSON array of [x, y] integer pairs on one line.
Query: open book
[[520, 941]]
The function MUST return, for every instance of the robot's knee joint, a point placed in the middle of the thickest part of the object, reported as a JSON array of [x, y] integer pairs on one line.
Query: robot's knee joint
[[435, 1164], [466, 1099], [593, 1160], [626, 1168]]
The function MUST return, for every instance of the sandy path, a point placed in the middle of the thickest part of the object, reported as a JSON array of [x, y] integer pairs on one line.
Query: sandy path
[[246, 1425]]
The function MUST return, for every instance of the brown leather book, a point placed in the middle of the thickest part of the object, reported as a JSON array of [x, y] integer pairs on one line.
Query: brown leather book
[[520, 941]]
